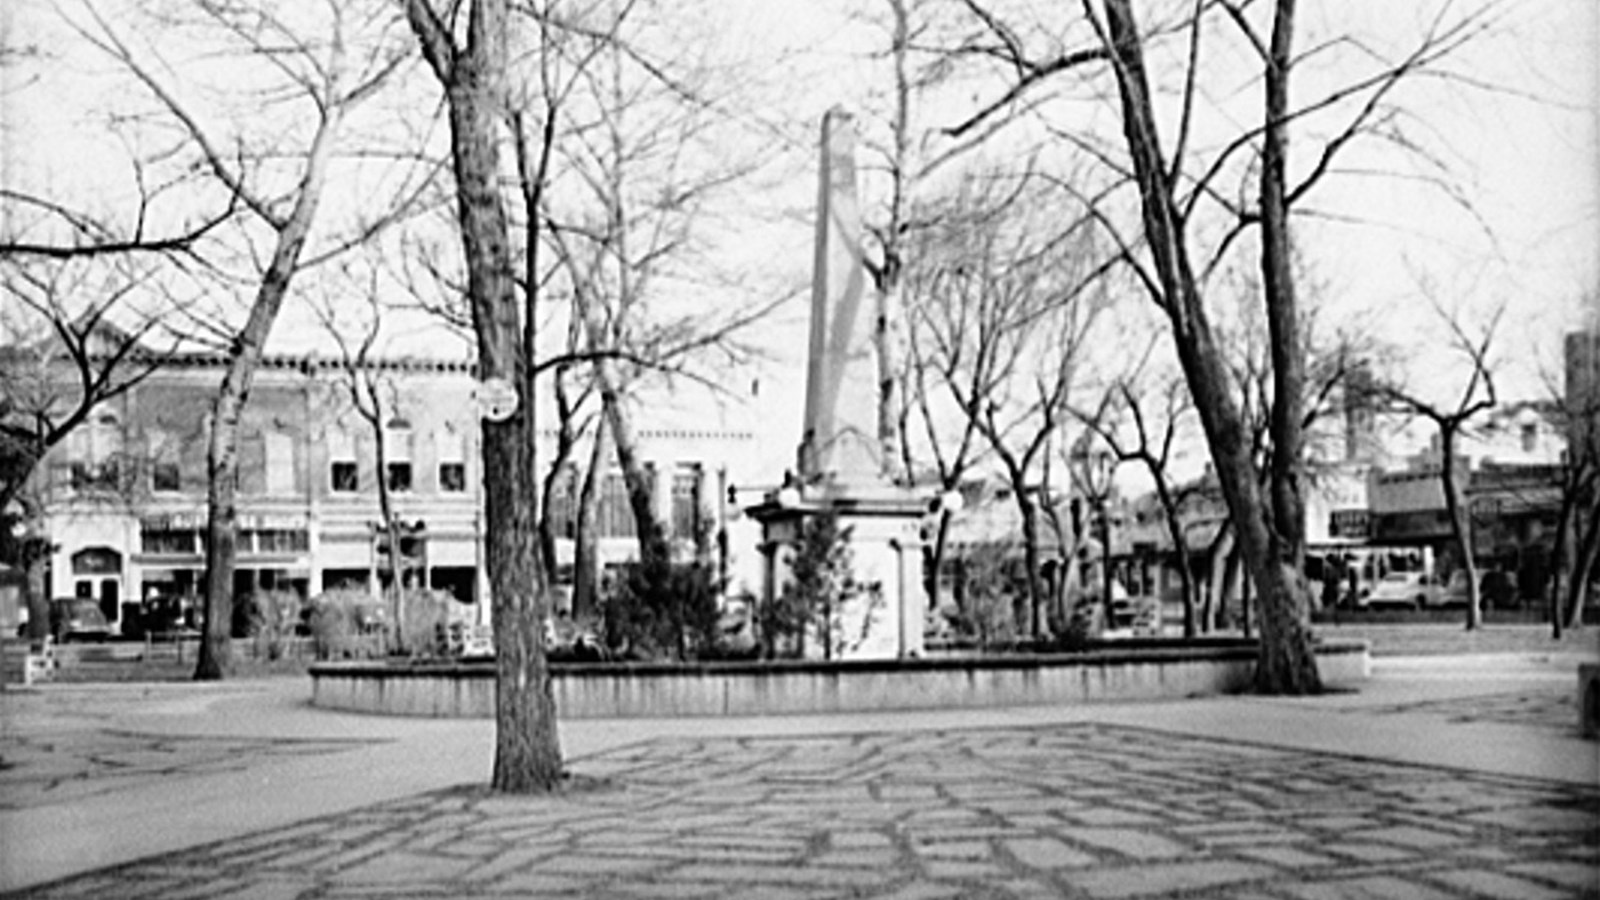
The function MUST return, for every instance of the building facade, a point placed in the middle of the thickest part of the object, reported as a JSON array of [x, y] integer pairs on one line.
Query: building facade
[[124, 497]]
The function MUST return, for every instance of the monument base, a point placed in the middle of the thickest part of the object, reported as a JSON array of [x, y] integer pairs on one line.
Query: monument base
[[883, 617]]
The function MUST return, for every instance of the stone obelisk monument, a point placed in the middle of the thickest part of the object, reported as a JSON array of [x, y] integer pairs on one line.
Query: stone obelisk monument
[[841, 461], [839, 444]]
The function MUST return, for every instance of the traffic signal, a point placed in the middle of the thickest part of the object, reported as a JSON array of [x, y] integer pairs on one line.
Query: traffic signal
[[412, 538]]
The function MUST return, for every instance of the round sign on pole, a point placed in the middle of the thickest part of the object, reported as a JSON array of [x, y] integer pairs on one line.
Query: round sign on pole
[[497, 399]]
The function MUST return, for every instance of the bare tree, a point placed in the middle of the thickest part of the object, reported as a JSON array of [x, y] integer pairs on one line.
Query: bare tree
[[374, 399], [139, 205], [954, 449], [1002, 320], [903, 162], [1155, 423], [472, 72], [1330, 359], [1179, 179], [330, 65], [1476, 396], [90, 237], [639, 160], [906, 168], [83, 333], [1575, 411]]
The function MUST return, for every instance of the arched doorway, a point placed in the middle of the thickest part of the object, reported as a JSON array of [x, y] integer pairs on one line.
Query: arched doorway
[[97, 575]]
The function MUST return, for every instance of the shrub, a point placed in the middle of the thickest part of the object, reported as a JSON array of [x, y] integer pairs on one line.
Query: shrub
[[662, 610], [336, 622], [273, 617], [992, 581], [424, 626], [1085, 622]]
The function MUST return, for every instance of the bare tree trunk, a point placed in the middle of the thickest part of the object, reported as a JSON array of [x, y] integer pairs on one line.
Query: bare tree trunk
[[222, 462], [38, 601], [1283, 314], [1460, 527], [886, 338], [527, 749], [586, 549], [936, 554], [887, 276], [1217, 556], [1558, 561], [1169, 510], [1029, 513], [1583, 562], [222, 473], [653, 549], [1030, 559], [1245, 596], [396, 589], [1285, 664], [1106, 596], [566, 442]]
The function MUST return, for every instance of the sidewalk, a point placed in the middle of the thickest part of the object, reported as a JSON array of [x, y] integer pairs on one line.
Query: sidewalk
[[1444, 777]]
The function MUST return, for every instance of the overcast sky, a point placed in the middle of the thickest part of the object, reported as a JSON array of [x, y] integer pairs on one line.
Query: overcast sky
[[1521, 229]]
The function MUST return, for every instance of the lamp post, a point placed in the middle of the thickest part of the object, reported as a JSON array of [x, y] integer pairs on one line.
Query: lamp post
[[1095, 465]]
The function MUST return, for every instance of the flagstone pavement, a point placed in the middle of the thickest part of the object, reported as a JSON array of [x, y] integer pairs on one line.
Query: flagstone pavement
[[1114, 801]]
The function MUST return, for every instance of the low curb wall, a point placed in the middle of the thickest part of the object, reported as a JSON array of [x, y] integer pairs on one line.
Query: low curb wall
[[617, 690]]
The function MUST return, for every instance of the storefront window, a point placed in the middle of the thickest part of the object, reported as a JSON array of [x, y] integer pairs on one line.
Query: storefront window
[[169, 542], [277, 540]]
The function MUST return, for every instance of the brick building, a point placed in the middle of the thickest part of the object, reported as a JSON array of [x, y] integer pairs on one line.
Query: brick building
[[124, 498]]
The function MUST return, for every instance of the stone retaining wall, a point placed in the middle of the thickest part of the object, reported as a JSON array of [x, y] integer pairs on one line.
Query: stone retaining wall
[[467, 690]]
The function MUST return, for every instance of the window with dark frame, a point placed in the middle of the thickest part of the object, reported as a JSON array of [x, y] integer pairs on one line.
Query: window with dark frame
[[95, 476], [686, 485], [165, 477], [170, 541], [453, 477], [346, 477], [398, 476]]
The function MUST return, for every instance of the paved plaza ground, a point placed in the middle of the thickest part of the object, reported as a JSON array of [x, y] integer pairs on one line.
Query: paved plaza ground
[[1443, 777]]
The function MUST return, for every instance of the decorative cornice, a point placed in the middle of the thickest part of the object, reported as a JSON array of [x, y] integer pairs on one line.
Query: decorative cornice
[[313, 364]]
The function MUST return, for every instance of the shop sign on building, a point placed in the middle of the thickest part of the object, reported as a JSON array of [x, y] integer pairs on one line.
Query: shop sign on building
[[1353, 524]]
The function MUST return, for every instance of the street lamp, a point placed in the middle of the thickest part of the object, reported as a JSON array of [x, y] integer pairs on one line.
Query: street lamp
[[1095, 466]]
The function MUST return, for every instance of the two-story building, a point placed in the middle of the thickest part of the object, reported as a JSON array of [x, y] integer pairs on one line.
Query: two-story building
[[124, 497]]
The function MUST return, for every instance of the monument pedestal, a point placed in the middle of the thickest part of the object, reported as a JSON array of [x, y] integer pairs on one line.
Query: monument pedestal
[[883, 618]]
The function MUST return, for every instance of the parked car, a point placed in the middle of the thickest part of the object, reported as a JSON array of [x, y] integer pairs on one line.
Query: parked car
[[78, 619], [1410, 590]]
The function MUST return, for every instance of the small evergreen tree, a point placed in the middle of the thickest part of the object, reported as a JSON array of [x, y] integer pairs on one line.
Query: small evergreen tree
[[819, 582], [663, 609]]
